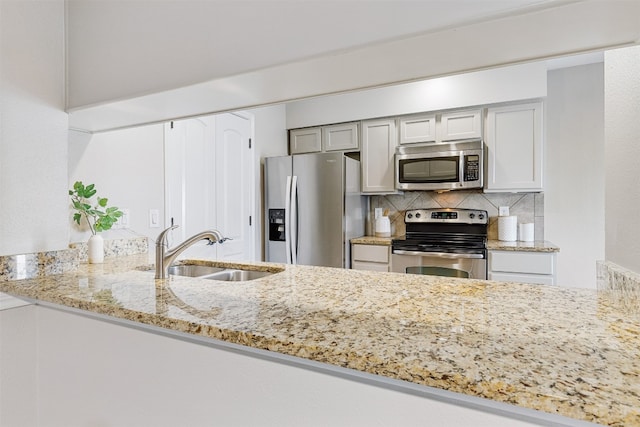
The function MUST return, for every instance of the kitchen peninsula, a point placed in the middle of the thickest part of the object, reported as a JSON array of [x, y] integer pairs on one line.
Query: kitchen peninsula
[[570, 352]]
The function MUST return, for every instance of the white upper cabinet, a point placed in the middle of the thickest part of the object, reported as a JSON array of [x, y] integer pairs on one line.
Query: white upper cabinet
[[514, 143], [461, 125], [418, 128], [379, 140], [340, 137], [307, 140]]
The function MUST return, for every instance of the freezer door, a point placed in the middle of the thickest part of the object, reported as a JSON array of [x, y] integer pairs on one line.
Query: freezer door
[[276, 171], [320, 205]]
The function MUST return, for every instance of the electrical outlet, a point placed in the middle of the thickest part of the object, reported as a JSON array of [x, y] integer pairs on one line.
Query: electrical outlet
[[154, 218], [503, 211], [377, 213]]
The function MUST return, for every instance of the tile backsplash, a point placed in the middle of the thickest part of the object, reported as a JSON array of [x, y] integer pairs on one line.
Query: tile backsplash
[[528, 207]]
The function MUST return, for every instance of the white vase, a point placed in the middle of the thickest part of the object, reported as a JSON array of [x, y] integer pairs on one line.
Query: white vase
[[96, 249]]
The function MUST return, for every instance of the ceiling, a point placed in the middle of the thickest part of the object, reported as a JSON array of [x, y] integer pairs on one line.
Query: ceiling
[[141, 61], [237, 36]]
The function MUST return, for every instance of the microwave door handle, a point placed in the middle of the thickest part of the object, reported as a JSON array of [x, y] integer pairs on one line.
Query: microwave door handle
[[447, 255], [461, 169]]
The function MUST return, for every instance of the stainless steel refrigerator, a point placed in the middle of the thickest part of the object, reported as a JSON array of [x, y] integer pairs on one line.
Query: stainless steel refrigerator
[[313, 209]]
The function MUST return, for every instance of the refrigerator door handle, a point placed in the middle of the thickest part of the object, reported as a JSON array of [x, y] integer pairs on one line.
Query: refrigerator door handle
[[287, 220], [294, 220]]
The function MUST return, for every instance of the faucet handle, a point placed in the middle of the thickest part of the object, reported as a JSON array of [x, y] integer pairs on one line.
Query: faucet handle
[[161, 240], [224, 239]]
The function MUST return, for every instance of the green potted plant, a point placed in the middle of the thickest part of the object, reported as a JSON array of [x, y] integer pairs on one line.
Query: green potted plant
[[98, 216]]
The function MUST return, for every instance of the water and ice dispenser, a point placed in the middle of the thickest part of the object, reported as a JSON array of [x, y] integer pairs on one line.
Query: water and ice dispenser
[[276, 225]]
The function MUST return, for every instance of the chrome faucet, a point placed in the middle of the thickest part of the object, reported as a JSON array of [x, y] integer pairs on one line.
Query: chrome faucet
[[166, 256]]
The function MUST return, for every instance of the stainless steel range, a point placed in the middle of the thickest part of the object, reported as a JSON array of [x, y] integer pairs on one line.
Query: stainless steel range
[[450, 238]]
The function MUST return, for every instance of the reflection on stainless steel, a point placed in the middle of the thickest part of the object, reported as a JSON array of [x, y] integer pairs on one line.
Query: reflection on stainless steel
[[193, 270], [443, 238], [313, 207], [233, 275]]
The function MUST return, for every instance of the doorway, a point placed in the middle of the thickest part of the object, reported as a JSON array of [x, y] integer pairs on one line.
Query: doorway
[[209, 184]]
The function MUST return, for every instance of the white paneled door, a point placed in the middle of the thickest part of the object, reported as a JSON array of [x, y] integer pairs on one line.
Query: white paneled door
[[209, 184], [234, 192]]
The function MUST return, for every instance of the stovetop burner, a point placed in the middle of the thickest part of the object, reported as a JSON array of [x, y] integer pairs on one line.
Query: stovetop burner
[[444, 230]]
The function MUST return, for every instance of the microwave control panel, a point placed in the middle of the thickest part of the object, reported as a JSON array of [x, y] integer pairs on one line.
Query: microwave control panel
[[472, 167]]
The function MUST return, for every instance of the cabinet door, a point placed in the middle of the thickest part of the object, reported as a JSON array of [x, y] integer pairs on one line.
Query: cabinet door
[[308, 140], [379, 142], [514, 148], [419, 128], [340, 137], [461, 125]]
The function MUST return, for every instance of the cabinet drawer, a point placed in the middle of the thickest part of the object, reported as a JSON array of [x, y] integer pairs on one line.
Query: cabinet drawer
[[369, 266], [371, 253], [538, 279], [522, 262]]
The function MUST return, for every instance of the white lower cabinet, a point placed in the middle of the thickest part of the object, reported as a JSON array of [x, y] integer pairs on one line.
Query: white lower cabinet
[[522, 266], [370, 257]]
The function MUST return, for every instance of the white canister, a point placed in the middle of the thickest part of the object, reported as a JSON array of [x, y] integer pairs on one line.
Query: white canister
[[526, 232], [508, 228], [383, 227]]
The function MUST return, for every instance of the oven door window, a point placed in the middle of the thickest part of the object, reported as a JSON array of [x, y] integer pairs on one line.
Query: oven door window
[[438, 169]]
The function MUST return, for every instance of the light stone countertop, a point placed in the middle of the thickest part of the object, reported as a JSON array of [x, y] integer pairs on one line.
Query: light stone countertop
[[571, 352], [535, 246]]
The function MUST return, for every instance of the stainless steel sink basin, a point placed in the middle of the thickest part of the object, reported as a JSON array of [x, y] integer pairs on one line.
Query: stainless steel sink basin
[[216, 273], [234, 275], [192, 270]]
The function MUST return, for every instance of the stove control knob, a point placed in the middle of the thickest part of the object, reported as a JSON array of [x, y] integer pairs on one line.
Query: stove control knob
[[472, 215], [481, 216], [418, 215], [409, 216]]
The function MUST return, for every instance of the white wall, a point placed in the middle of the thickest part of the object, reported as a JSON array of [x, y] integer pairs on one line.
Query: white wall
[[462, 90], [270, 140], [574, 171], [33, 128], [622, 156], [127, 167], [84, 378]]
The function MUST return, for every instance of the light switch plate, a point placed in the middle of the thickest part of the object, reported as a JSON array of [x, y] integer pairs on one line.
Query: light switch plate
[[123, 221], [154, 218], [503, 211]]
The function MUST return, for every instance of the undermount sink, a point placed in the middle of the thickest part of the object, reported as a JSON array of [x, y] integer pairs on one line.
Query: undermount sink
[[234, 275], [216, 273], [193, 270]]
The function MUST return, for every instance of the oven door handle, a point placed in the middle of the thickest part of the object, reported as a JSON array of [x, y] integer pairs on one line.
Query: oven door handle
[[439, 254]]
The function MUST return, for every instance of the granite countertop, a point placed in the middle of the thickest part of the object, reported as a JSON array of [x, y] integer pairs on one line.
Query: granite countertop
[[372, 240], [536, 246], [572, 352]]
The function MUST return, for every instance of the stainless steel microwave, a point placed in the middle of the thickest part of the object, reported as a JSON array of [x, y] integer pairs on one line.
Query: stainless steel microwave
[[440, 166]]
